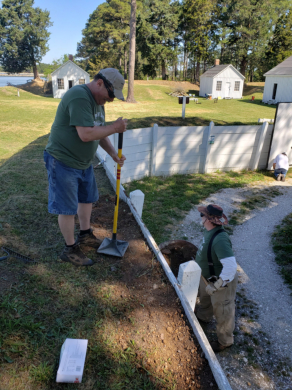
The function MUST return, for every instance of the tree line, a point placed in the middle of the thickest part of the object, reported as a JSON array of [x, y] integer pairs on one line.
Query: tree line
[[188, 35], [172, 37]]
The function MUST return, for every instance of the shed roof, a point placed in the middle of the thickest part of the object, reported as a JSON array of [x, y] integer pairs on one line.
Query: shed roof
[[216, 70], [55, 71], [283, 69]]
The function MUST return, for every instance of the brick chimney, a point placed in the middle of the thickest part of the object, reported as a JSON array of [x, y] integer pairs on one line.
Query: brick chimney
[[217, 62], [70, 57]]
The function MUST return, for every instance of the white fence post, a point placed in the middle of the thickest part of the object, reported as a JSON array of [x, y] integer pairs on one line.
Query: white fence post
[[184, 107], [260, 145], [137, 199], [154, 149], [189, 275], [208, 147]]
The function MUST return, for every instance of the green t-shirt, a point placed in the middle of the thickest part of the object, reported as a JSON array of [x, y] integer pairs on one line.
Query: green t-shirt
[[221, 248], [77, 108]]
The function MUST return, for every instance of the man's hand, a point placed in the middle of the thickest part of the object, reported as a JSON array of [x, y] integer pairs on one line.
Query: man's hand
[[118, 160], [213, 287], [120, 125]]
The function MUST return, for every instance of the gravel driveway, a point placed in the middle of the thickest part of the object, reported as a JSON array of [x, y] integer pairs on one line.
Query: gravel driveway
[[262, 286]]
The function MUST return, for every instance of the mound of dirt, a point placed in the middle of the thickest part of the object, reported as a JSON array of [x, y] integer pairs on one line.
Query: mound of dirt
[[159, 322], [36, 87]]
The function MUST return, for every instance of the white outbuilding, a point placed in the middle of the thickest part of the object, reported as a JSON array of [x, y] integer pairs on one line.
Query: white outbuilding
[[65, 77], [223, 81], [278, 83]]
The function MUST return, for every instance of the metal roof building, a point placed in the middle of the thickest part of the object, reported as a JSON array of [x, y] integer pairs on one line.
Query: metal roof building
[[223, 81], [278, 84]]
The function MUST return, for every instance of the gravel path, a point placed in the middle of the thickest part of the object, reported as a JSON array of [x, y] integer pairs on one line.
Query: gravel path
[[262, 286]]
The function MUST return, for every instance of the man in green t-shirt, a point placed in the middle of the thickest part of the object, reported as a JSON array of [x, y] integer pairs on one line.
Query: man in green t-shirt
[[79, 127], [220, 269]]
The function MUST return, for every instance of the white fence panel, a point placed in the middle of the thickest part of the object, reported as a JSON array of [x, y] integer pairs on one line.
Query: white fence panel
[[188, 149]]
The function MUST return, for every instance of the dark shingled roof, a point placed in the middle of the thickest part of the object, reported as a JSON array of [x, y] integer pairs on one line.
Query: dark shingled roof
[[283, 69], [218, 69]]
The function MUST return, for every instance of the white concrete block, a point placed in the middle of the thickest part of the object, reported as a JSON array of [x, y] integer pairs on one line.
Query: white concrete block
[[189, 278], [137, 199]]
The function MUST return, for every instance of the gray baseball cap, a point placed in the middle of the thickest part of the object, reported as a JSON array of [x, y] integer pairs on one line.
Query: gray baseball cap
[[116, 79]]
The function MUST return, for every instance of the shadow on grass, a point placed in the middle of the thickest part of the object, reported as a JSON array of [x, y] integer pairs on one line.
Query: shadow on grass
[[258, 102], [136, 123], [51, 301]]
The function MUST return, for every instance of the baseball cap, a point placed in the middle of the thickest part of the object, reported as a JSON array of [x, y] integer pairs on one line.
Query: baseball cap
[[116, 80]]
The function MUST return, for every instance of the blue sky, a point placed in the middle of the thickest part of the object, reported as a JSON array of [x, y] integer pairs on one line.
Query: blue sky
[[69, 18]]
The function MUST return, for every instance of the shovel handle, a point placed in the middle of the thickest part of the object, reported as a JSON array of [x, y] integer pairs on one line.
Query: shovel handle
[[120, 146]]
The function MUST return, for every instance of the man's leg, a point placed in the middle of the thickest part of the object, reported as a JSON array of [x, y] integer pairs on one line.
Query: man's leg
[[223, 302], [84, 213], [204, 311], [86, 236], [66, 224], [277, 174], [284, 173]]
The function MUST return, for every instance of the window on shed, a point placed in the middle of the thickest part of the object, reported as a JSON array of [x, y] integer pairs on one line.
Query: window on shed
[[60, 83], [237, 86], [219, 86], [81, 81]]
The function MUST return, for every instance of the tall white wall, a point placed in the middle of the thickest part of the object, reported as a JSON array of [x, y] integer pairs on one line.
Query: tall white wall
[[284, 89], [67, 72], [168, 150]]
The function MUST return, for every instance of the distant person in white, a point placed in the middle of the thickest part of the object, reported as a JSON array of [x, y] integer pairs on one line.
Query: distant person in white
[[281, 166]]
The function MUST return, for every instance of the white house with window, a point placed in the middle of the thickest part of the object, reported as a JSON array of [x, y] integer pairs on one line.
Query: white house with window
[[223, 81], [278, 83], [65, 77]]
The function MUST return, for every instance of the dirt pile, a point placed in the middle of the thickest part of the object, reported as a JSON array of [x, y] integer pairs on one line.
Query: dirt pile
[[35, 86], [166, 348]]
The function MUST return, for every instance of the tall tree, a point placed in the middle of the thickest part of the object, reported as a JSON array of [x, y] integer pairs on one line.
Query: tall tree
[[105, 39], [156, 32], [280, 45], [23, 35], [130, 97], [250, 24]]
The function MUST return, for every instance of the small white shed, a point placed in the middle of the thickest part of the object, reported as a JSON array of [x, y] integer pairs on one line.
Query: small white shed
[[278, 84], [65, 77], [223, 81]]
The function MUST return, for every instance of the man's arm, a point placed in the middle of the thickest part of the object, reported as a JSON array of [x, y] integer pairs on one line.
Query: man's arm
[[87, 134], [106, 144], [274, 165]]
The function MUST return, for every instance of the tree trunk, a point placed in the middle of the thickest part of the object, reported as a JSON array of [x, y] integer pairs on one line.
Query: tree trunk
[[125, 63], [197, 77], [163, 70], [243, 65], [186, 65], [130, 97], [35, 71]]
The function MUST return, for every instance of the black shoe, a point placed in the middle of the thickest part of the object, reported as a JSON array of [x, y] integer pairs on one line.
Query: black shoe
[[217, 347], [88, 239], [204, 321], [74, 255]]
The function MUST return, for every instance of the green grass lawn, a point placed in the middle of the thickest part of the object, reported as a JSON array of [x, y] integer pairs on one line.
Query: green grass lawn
[[29, 116], [52, 301]]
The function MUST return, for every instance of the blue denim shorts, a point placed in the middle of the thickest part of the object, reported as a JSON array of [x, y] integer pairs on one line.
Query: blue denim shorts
[[69, 186]]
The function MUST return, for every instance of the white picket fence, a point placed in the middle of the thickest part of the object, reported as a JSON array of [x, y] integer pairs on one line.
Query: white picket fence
[[163, 151]]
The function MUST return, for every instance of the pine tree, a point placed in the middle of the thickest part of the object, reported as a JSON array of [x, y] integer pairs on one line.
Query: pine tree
[[23, 35], [106, 37], [280, 45], [130, 97], [156, 33]]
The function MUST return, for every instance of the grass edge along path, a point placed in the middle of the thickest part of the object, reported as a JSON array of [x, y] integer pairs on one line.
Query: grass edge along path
[[168, 199], [282, 246]]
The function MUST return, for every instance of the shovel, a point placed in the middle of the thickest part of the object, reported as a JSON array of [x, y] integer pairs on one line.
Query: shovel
[[114, 247]]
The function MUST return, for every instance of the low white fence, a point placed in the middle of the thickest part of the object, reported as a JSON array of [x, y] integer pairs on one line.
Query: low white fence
[[163, 151]]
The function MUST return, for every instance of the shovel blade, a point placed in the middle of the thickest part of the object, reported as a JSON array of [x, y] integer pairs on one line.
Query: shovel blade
[[113, 247]]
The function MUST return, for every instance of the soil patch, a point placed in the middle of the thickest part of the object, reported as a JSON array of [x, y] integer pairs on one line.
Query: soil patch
[[166, 348], [177, 252]]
